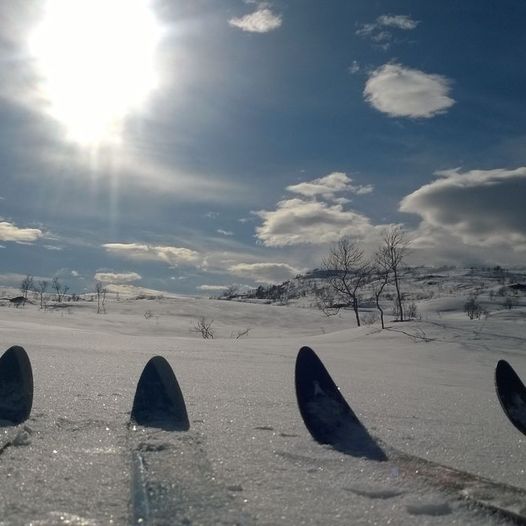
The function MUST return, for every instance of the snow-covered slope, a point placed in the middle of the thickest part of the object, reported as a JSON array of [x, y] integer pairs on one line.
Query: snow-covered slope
[[425, 387]]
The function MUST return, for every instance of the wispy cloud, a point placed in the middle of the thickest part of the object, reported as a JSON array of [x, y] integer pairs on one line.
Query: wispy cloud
[[117, 277], [403, 22], [212, 288], [380, 31], [354, 68], [173, 256], [329, 185], [265, 272], [400, 91], [262, 20], [10, 232], [227, 233], [480, 207]]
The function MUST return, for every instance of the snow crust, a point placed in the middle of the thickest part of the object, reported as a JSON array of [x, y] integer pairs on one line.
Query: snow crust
[[248, 458]]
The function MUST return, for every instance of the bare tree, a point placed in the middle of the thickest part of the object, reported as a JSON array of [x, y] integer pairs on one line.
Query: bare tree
[[26, 285], [393, 251], [41, 289], [204, 328], [55, 284], [348, 272], [380, 278], [101, 297], [230, 292], [239, 334]]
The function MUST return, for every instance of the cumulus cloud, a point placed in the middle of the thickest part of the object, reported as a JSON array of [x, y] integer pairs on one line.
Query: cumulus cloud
[[329, 185], [317, 216], [296, 221], [481, 207], [173, 256], [262, 20], [113, 277], [10, 232], [265, 272], [400, 91]]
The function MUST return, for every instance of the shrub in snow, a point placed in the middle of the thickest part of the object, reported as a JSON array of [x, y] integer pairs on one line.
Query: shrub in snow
[[472, 308]]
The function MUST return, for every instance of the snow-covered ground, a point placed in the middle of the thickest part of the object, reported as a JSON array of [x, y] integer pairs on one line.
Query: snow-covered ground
[[424, 387]]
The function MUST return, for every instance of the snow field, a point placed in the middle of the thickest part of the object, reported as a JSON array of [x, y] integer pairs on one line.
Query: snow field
[[248, 457]]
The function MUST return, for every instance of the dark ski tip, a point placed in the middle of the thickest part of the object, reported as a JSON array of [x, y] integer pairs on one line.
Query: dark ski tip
[[16, 386], [158, 399], [326, 413], [512, 394]]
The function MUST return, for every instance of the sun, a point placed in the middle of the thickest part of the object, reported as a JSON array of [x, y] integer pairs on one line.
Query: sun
[[96, 64]]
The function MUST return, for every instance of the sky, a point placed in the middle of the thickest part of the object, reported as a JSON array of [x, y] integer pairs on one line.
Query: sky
[[187, 145]]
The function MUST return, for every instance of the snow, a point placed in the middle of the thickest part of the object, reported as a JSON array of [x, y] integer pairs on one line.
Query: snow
[[424, 387]]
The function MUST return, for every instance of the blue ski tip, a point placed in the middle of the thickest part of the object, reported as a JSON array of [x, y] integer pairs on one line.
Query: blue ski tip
[[326, 413], [158, 399], [512, 394], [16, 386]]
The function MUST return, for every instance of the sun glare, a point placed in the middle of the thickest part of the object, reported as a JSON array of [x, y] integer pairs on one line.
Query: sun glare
[[96, 62]]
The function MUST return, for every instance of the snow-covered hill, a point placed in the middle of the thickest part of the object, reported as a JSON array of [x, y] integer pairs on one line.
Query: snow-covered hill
[[425, 387]]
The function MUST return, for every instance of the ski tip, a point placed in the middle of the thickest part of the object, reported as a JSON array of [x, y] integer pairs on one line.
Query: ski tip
[[503, 367], [16, 386], [306, 356], [511, 393], [158, 399], [325, 412]]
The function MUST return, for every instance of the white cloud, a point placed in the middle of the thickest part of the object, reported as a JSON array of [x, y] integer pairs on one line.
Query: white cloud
[[400, 91], [366, 30], [113, 277], [403, 22], [376, 31], [316, 217], [296, 221], [212, 288], [329, 185], [173, 256], [381, 30], [261, 21], [482, 208], [265, 272], [10, 232], [225, 232]]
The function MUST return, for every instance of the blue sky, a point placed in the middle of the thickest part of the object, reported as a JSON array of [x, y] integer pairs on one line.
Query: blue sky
[[186, 145]]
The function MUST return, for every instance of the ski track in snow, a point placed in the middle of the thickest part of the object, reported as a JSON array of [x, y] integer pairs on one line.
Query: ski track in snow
[[248, 457]]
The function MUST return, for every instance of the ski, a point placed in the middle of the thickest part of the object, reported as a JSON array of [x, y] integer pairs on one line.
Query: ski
[[173, 481], [511, 393], [158, 399], [330, 420], [158, 403], [16, 386]]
